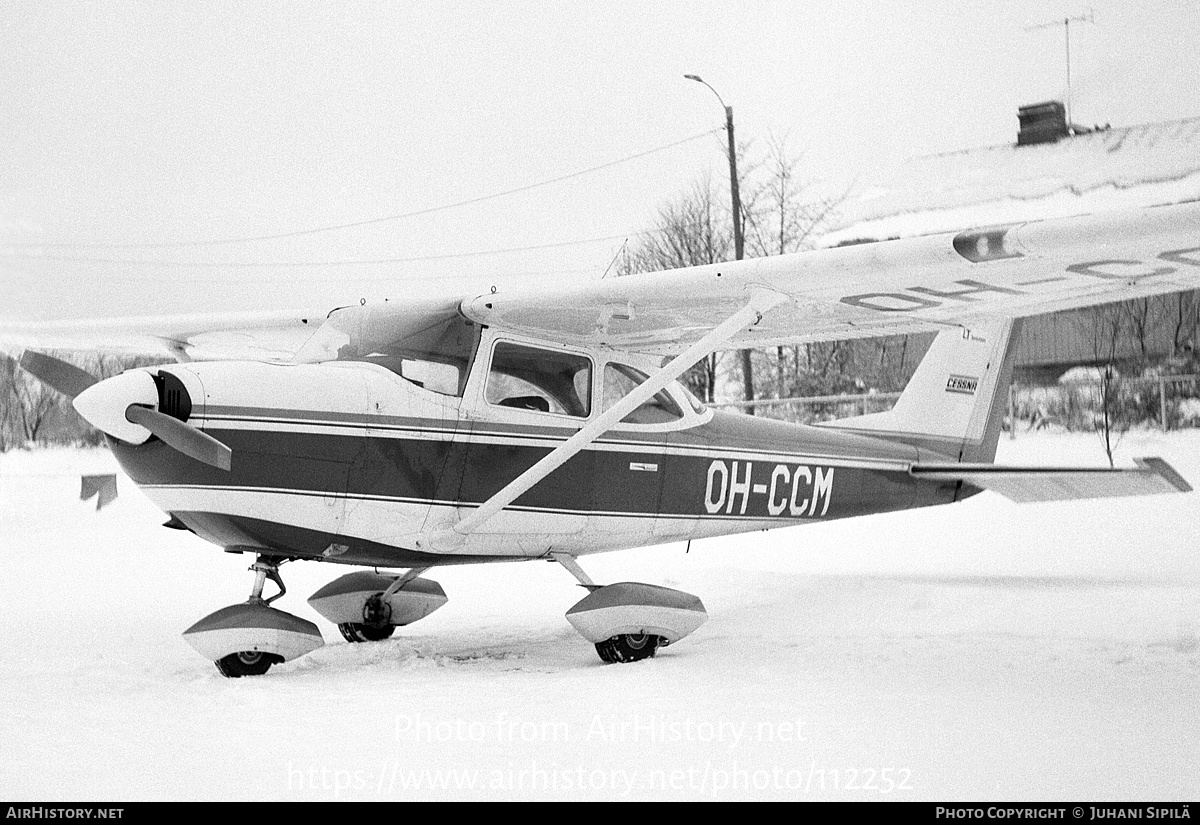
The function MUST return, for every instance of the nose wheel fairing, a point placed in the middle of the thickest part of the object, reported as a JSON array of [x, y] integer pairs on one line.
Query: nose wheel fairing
[[246, 639], [253, 628]]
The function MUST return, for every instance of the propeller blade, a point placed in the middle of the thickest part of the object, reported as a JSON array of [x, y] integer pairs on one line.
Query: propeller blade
[[57, 374], [183, 437]]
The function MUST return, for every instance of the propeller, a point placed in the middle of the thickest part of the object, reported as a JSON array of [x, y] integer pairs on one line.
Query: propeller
[[183, 437], [68, 379], [124, 407]]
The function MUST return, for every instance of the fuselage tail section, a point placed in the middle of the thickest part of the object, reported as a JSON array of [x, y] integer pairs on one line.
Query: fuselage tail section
[[954, 405]]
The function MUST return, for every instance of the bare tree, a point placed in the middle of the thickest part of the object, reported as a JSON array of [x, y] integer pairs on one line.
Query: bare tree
[[8, 400], [1143, 317], [1103, 328], [775, 224], [35, 402], [784, 216], [691, 231], [30, 411], [781, 213], [1181, 312]]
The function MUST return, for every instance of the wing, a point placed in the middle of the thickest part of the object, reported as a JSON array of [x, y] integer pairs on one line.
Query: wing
[[913, 285], [260, 336], [903, 286]]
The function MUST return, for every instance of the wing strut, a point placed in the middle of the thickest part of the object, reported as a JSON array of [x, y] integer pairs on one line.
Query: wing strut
[[761, 300]]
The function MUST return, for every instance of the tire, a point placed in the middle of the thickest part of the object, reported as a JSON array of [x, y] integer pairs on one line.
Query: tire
[[628, 647], [355, 632], [247, 663]]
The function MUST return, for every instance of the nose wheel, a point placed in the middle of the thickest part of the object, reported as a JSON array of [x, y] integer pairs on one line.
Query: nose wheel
[[255, 662], [247, 663], [248, 639]]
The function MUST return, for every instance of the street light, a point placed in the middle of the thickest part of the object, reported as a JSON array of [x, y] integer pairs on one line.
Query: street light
[[733, 178], [747, 369]]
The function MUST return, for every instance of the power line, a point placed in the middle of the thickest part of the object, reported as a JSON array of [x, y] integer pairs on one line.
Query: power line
[[309, 278], [369, 221], [478, 253], [338, 262]]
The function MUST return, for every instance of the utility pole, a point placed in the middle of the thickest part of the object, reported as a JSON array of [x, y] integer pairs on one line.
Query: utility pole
[[738, 242], [1090, 17]]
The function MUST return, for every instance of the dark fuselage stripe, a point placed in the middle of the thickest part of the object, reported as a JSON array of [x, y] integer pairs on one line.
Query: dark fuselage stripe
[[466, 473], [502, 437]]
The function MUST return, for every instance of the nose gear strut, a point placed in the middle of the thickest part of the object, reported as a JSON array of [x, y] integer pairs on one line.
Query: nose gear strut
[[264, 570]]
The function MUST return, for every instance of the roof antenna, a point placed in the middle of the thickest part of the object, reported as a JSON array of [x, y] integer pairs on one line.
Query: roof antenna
[[614, 260], [1066, 22]]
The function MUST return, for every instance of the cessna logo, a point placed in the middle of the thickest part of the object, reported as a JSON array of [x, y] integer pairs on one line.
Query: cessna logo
[[792, 490], [964, 384]]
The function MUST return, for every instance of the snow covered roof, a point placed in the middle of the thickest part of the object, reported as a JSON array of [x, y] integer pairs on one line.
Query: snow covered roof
[[1110, 169]]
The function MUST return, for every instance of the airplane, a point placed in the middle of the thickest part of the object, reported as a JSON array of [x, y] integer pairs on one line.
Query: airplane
[[548, 423]]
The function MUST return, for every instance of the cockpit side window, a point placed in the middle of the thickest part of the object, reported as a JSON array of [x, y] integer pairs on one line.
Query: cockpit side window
[[529, 378], [437, 358], [621, 379]]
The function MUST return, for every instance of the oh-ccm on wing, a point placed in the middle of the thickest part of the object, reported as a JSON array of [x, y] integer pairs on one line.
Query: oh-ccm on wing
[[511, 425]]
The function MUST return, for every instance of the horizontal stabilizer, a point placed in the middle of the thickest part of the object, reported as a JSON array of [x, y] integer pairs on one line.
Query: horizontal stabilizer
[[1022, 484]]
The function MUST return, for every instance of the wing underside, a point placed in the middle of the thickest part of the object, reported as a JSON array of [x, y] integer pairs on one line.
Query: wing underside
[[259, 336]]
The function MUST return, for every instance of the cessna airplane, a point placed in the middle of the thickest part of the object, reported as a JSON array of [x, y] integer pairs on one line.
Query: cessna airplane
[[534, 423]]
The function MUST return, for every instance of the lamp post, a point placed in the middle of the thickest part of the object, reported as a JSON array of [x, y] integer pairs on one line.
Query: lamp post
[[738, 245]]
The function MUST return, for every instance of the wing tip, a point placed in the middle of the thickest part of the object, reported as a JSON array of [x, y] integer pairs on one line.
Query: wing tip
[[1164, 471]]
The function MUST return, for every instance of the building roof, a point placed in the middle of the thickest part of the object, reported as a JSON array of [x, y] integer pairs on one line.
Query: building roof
[[1113, 168]]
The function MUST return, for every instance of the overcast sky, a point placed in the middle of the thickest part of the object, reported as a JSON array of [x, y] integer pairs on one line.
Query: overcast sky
[[153, 123]]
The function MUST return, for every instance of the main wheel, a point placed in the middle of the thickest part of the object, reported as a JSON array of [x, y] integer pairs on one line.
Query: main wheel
[[355, 632], [247, 663], [629, 647]]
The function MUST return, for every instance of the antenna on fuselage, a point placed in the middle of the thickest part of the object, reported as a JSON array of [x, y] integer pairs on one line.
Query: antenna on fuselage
[[614, 260]]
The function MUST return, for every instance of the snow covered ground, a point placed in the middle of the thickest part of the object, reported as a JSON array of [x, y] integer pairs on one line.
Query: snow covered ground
[[978, 651]]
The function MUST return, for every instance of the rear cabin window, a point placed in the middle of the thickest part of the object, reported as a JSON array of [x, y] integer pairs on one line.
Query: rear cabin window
[[529, 378], [621, 379]]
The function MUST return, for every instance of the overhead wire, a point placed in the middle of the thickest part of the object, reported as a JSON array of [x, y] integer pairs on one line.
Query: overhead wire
[[305, 264], [361, 223]]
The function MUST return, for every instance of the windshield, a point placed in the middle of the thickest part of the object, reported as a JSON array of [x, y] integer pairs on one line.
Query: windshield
[[431, 349]]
